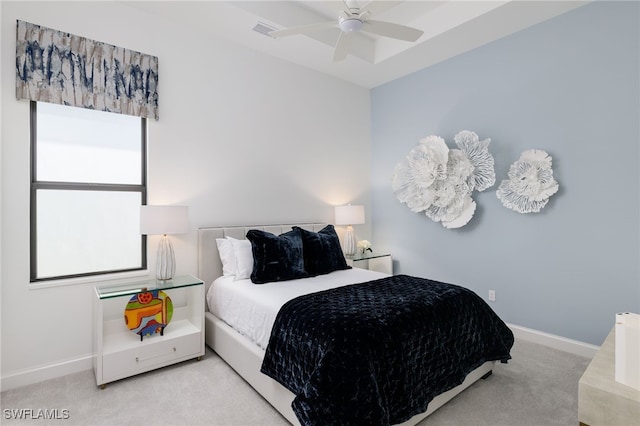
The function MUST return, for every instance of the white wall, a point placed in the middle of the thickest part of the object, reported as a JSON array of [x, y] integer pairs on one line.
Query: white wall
[[242, 138]]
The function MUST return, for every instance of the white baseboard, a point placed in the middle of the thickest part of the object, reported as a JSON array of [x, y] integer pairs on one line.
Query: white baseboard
[[51, 371], [46, 372], [557, 342]]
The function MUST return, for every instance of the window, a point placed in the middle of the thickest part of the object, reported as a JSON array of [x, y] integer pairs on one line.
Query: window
[[88, 180]]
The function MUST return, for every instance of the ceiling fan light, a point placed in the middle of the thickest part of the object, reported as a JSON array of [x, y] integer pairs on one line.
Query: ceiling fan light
[[350, 24]]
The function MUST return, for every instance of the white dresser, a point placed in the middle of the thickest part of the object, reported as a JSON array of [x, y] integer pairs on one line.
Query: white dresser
[[601, 400]]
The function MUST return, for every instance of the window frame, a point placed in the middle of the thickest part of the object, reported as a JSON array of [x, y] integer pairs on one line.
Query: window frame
[[77, 186]]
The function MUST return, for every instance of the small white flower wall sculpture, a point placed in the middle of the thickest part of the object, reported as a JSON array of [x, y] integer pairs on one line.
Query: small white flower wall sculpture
[[530, 183], [440, 181]]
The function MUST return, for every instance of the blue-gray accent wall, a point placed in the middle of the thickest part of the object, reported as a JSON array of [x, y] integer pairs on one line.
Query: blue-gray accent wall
[[569, 86]]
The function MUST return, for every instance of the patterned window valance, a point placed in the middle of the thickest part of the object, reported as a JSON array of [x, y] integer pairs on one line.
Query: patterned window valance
[[62, 68]]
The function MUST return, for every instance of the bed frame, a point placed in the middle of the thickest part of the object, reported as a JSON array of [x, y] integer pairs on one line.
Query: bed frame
[[246, 358]]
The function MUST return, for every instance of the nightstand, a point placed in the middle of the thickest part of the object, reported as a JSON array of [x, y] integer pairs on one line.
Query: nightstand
[[380, 262], [121, 353]]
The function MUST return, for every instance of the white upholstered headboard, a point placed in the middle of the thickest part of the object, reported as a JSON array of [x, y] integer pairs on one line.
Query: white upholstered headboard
[[209, 264]]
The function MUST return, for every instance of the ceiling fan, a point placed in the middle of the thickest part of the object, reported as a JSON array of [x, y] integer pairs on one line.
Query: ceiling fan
[[354, 19]]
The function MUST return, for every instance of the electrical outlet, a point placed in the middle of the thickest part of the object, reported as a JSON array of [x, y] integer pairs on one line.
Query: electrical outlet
[[492, 295]]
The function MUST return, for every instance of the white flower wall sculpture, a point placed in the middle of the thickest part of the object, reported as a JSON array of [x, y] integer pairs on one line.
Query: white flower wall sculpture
[[440, 181], [530, 183], [452, 205], [477, 151], [414, 177]]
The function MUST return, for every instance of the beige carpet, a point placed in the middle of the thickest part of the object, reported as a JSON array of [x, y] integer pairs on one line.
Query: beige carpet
[[539, 387]]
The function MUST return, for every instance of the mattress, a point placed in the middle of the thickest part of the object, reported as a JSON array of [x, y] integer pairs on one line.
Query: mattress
[[251, 309]]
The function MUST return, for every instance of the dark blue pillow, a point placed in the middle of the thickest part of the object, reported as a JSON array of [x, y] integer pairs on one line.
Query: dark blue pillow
[[276, 257], [322, 251]]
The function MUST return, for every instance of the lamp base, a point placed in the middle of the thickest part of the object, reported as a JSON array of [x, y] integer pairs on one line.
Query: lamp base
[[350, 243], [165, 260]]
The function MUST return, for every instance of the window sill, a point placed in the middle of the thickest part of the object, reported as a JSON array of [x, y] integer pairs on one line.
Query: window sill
[[106, 278]]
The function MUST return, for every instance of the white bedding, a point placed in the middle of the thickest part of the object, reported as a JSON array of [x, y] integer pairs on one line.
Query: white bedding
[[251, 309]]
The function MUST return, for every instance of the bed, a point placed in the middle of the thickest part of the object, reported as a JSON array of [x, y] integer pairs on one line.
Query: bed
[[244, 350]]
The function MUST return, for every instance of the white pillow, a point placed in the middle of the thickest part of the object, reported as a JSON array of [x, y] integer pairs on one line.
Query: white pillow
[[227, 256], [236, 257], [244, 258]]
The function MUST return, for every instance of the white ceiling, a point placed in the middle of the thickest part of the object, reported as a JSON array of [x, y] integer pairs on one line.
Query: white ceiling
[[450, 27]]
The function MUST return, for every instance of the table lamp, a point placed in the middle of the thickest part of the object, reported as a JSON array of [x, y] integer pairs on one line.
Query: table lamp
[[349, 215], [164, 220]]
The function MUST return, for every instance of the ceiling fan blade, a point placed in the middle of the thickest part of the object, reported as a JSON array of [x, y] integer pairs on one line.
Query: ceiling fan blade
[[342, 47], [303, 29], [389, 29]]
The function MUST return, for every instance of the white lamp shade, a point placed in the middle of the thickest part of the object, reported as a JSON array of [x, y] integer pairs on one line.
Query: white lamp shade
[[349, 215], [159, 220]]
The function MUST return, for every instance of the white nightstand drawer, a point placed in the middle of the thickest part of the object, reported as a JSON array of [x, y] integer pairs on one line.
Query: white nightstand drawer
[[381, 264], [150, 355]]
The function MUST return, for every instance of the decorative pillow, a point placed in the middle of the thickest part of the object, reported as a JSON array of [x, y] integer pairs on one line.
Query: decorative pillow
[[322, 251], [243, 257], [236, 257], [276, 257]]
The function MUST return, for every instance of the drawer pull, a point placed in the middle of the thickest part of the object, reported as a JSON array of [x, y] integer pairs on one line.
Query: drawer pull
[[151, 357]]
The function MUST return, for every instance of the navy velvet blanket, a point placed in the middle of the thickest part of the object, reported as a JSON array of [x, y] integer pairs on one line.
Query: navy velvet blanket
[[376, 353]]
